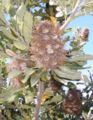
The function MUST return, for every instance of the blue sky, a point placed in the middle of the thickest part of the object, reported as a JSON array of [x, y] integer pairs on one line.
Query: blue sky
[[86, 21]]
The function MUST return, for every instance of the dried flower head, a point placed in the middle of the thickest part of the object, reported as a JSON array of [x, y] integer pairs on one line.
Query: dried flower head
[[72, 102], [16, 63], [84, 34], [47, 48]]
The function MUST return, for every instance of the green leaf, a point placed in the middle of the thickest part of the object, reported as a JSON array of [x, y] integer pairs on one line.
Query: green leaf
[[20, 16], [28, 72], [35, 78], [29, 97], [11, 98], [14, 73], [2, 17], [71, 85], [27, 26], [45, 76], [65, 72], [9, 94], [73, 65], [21, 46], [61, 80], [21, 11], [8, 34], [48, 92], [25, 22], [83, 57], [55, 99]]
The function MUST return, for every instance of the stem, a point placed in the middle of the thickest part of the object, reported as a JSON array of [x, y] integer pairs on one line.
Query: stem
[[39, 95], [71, 16]]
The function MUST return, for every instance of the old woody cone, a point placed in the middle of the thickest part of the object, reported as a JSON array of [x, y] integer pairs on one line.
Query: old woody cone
[[84, 34], [72, 102]]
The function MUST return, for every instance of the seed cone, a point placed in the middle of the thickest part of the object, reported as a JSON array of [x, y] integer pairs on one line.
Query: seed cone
[[55, 85], [47, 48], [72, 102], [84, 34]]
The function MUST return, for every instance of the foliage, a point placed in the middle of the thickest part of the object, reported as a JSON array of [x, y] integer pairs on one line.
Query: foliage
[[29, 90]]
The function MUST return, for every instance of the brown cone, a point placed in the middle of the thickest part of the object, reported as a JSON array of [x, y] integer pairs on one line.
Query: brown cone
[[55, 85], [47, 48], [72, 102], [84, 34]]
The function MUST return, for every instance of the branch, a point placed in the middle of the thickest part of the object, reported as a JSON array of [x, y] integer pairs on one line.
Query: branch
[[71, 16], [39, 95]]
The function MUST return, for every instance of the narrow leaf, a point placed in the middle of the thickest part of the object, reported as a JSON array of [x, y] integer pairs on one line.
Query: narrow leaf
[[65, 72], [14, 73], [20, 45], [81, 58], [28, 72], [27, 26], [9, 94], [8, 34], [35, 78], [55, 99], [21, 11]]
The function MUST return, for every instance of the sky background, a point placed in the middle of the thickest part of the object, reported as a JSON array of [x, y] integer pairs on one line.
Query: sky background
[[86, 21]]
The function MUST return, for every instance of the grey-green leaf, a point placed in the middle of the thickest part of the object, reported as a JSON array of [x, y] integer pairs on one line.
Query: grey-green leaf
[[9, 94], [45, 76], [65, 72], [28, 72], [27, 26], [25, 21], [14, 73], [35, 78], [21, 46], [83, 57], [21, 11], [56, 98], [8, 34]]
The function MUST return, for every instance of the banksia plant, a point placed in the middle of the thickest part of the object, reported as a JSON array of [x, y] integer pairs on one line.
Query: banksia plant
[[39, 58]]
